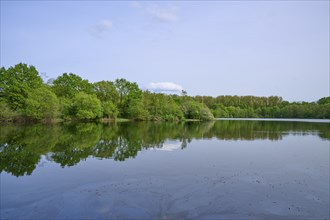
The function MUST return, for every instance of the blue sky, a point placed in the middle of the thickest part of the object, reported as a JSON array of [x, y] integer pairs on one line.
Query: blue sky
[[259, 48]]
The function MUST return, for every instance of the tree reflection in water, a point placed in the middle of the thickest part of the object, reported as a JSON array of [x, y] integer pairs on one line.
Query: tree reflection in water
[[21, 146]]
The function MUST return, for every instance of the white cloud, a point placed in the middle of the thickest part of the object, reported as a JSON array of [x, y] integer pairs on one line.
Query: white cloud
[[168, 14], [99, 29], [164, 87]]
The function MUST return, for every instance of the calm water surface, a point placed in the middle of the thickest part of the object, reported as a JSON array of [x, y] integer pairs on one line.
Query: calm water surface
[[227, 169]]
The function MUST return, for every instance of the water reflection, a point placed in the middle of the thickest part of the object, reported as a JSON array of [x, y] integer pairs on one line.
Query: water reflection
[[21, 147]]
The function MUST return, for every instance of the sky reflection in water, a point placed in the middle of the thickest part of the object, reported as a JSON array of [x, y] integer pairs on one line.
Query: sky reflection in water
[[222, 169]]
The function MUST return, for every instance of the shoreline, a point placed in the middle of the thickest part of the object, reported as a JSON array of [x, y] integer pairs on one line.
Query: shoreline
[[111, 120]]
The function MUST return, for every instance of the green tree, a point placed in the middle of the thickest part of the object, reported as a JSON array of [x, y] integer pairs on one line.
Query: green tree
[[322, 111], [206, 114], [67, 108], [123, 88], [106, 91], [195, 110], [16, 83], [42, 103], [86, 106], [109, 109], [129, 94], [324, 100], [108, 95], [161, 107], [136, 111], [68, 85]]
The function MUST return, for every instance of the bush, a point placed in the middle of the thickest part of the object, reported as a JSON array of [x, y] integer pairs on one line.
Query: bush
[[195, 110], [42, 104], [87, 106], [206, 114]]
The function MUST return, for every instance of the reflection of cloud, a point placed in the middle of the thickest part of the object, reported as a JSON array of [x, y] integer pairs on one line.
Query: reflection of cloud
[[99, 29], [165, 87], [170, 146], [43, 160], [163, 14]]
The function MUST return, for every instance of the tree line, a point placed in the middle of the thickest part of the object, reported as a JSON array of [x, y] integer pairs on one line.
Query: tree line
[[265, 107], [25, 97]]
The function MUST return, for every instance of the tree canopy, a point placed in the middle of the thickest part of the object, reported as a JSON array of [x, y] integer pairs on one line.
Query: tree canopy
[[16, 83], [24, 96]]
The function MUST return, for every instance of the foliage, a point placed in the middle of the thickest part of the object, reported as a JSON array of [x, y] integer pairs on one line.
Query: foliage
[[23, 96], [42, 103], [109, 110], [87, 106], [136, 111], [6, 114], [67, 108], [264, 107], [206, 114], [196, 110], [161, 107], [68, 85], [129, 95], [106, 91], [16, 83], [324, 101]]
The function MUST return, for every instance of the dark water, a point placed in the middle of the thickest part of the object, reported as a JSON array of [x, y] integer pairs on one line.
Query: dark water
[[215, 170]]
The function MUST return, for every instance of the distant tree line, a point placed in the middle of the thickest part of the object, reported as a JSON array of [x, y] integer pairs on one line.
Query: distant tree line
[[25, 97], [264, 107]]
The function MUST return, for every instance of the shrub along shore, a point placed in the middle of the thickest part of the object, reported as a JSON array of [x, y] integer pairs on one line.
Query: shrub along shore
[[24, 97]]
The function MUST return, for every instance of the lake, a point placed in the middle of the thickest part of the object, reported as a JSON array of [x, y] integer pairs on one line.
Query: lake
[[225, 169]]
